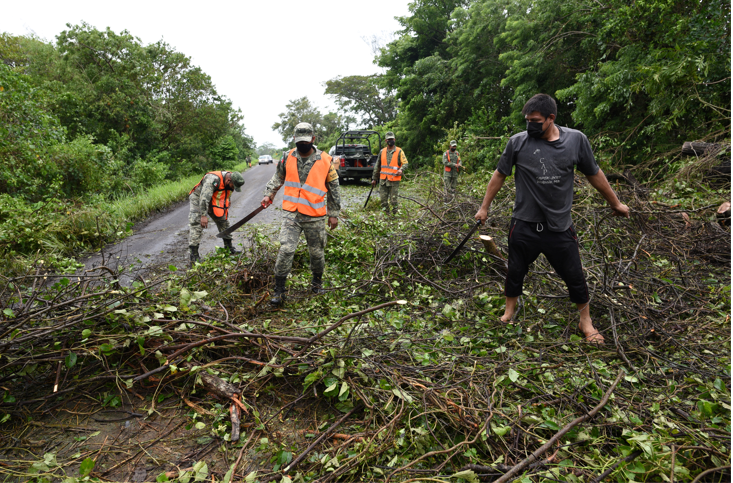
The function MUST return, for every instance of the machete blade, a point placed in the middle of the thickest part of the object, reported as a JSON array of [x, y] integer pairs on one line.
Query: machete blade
[[241, 222], [473, 230]]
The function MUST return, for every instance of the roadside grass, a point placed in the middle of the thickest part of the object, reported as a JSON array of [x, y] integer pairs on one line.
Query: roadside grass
[[50, 234]]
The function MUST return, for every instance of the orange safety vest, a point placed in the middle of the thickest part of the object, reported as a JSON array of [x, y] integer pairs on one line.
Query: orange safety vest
[[447, 153], [308, 198], [388, 171], [220, 199]]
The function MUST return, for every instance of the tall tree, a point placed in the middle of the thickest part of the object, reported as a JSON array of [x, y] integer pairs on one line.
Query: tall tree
[[301, 110], [362, 96]]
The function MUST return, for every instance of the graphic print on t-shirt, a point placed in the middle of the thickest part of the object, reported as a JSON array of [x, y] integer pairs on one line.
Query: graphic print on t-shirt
[[544, 179]]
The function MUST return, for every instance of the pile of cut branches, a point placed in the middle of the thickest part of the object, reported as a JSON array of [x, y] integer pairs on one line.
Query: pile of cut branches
[[402, 370]]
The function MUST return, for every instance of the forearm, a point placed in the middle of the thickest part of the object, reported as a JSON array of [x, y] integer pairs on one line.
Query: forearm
[[495, 184], [600, 183], [275, 182], [376, 171], [333, 199]]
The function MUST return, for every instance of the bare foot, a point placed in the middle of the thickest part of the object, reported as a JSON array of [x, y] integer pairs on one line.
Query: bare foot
[[592, 336], [509, 310]]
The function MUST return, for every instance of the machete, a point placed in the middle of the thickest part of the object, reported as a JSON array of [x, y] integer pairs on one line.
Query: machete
[[241, 222], [370, 195], [473, 230]]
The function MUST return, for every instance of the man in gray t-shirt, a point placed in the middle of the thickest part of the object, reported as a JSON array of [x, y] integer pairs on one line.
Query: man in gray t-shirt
[[544, 159]]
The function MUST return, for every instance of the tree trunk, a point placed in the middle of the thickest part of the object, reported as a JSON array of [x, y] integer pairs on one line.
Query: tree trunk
[[493, 250], [698, 149]]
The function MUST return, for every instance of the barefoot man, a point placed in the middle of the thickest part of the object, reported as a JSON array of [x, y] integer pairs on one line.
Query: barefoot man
[[545, 157]]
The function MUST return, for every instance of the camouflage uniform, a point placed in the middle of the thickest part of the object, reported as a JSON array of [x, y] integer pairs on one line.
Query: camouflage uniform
[[294, 222], [388, 190], [450, 178], [200, 201]]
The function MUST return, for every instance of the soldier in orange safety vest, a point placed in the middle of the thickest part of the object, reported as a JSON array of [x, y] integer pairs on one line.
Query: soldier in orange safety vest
[[210, 197], [388, 169], [452, 165], [310, 195]]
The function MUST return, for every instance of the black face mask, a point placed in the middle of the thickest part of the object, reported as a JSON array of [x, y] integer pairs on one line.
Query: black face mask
[[304, 148], [534, 129], [390, 142], [452, 148]]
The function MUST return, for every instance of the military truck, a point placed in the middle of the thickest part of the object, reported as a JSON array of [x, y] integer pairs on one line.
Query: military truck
[[355, 150]]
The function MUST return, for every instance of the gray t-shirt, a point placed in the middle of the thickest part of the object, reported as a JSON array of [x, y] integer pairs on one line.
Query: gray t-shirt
[[544, 175]]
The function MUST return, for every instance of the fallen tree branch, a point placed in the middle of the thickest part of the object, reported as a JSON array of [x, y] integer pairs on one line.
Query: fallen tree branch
[[318, 441], [508, 476], [610, 470]]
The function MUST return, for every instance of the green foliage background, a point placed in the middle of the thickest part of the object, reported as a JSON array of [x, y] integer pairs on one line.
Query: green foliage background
[[97, 117], [639, 78]]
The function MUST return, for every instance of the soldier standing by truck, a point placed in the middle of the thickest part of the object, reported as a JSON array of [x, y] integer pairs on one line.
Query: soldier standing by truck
[[310, 196], [211, 197], [452, 164], [388, 172]]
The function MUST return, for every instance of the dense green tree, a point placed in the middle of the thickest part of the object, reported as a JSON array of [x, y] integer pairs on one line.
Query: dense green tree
[[637, 77], [327, 127], [363, 96]]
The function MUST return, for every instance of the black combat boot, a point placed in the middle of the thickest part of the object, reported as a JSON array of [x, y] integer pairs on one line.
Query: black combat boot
[[278, 296], [317, 283], [232, 251], [194, 254]]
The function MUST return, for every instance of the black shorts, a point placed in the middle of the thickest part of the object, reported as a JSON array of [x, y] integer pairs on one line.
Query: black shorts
[[526, 242]]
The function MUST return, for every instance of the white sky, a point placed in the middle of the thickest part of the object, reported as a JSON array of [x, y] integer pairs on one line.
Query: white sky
[[259, 54]]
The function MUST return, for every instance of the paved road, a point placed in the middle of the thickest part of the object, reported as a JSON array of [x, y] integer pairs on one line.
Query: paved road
[[163, 239]]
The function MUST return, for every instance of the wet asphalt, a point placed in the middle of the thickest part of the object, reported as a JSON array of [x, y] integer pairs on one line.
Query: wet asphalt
[[162, 240]]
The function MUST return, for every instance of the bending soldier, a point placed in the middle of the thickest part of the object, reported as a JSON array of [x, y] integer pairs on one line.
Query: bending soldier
[[311, 194], [211, 197], [388, 172], [452, 163]]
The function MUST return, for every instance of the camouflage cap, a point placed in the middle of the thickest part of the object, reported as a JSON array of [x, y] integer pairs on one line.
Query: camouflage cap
[[453, 143], [303, 132], [389, 135], [238, 180]]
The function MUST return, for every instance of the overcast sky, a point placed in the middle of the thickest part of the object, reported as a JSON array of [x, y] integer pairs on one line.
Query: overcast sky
[[260, 54]]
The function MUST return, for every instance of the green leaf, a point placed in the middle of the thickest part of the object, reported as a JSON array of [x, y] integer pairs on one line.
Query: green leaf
[[402, 394], [86, 333], [200, 425], [162, 477], [513, 375], [468, 475], [551, 425], [86, 467], [250, 478], [9, 313], [311, 378], [344, 392], [331, 390], [70, 360], [106, 349], [201, 471], [228, 475], [170, 308]]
